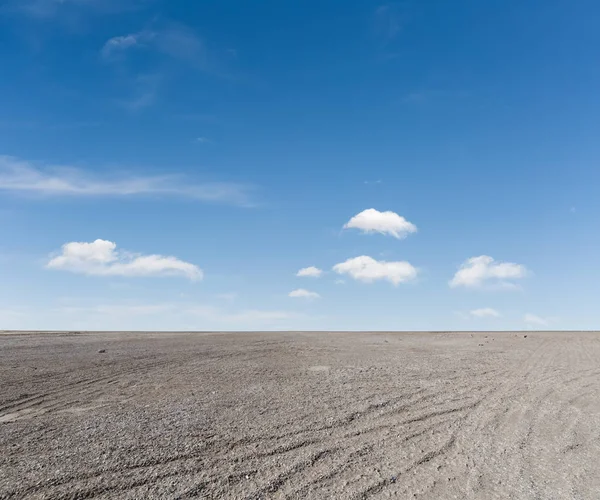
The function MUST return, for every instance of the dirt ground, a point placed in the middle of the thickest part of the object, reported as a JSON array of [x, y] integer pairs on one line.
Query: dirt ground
[[300, 415]]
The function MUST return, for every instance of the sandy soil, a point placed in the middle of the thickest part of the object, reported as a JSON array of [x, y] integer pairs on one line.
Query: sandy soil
[[300, 415]]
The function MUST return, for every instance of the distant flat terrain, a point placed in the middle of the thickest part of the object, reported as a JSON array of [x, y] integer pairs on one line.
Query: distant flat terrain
[[300, 415]]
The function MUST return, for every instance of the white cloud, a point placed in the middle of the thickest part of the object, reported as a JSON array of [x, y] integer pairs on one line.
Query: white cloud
[[532, 319], [339, 282], [477, 271], [302, 293], [202, 140], [100, 258], [367, 269], [485, 312], [373, 221], [312, 272], [22, 176]]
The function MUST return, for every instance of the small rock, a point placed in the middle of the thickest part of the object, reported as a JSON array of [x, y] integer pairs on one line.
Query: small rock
[[102, 351], [524, 336]]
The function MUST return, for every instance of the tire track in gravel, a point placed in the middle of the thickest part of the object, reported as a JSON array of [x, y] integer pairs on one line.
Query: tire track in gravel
[[439, 423]]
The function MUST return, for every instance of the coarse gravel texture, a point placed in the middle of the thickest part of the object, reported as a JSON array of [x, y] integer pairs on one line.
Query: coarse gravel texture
[[285, 415]]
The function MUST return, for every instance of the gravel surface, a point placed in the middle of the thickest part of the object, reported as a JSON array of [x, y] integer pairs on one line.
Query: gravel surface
[[300, 415]]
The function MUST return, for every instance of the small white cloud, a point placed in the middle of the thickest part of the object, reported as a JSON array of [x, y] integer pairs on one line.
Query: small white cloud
[[311, 272], [303, 294], [533, 320], [373, 221], [100, 258], [367, 269], [339, 282], [477, 271], [202, 140], [486, 312]]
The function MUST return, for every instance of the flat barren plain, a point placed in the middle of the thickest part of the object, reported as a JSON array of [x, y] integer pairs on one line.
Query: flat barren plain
[[300, 415]]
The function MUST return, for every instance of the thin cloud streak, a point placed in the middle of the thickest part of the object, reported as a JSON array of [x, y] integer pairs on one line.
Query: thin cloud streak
[[22, 176]]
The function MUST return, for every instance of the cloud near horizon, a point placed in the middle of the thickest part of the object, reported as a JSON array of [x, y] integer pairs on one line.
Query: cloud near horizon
[[533, 320], [100, 258], [373, 221], [22, 176], [485, 312], [368, 270], [478, 271]]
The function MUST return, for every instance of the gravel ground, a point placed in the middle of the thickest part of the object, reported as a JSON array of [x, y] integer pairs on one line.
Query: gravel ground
[[300, 415]]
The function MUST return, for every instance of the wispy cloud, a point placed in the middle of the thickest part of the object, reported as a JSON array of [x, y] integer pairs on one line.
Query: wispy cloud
[[24, 177], [534, 320], [168, 43], [430, 96], [118, 44], [174, 40], [245, 317], [169, 315], [202, 140], [101, 258], [144, 92], [388, 21], [120, 309]]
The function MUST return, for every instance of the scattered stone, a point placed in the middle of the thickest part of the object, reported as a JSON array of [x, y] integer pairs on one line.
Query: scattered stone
[[524, 336], [102, 351]]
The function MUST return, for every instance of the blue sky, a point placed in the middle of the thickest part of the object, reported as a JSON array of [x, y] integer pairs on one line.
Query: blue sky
[[174, 165]]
